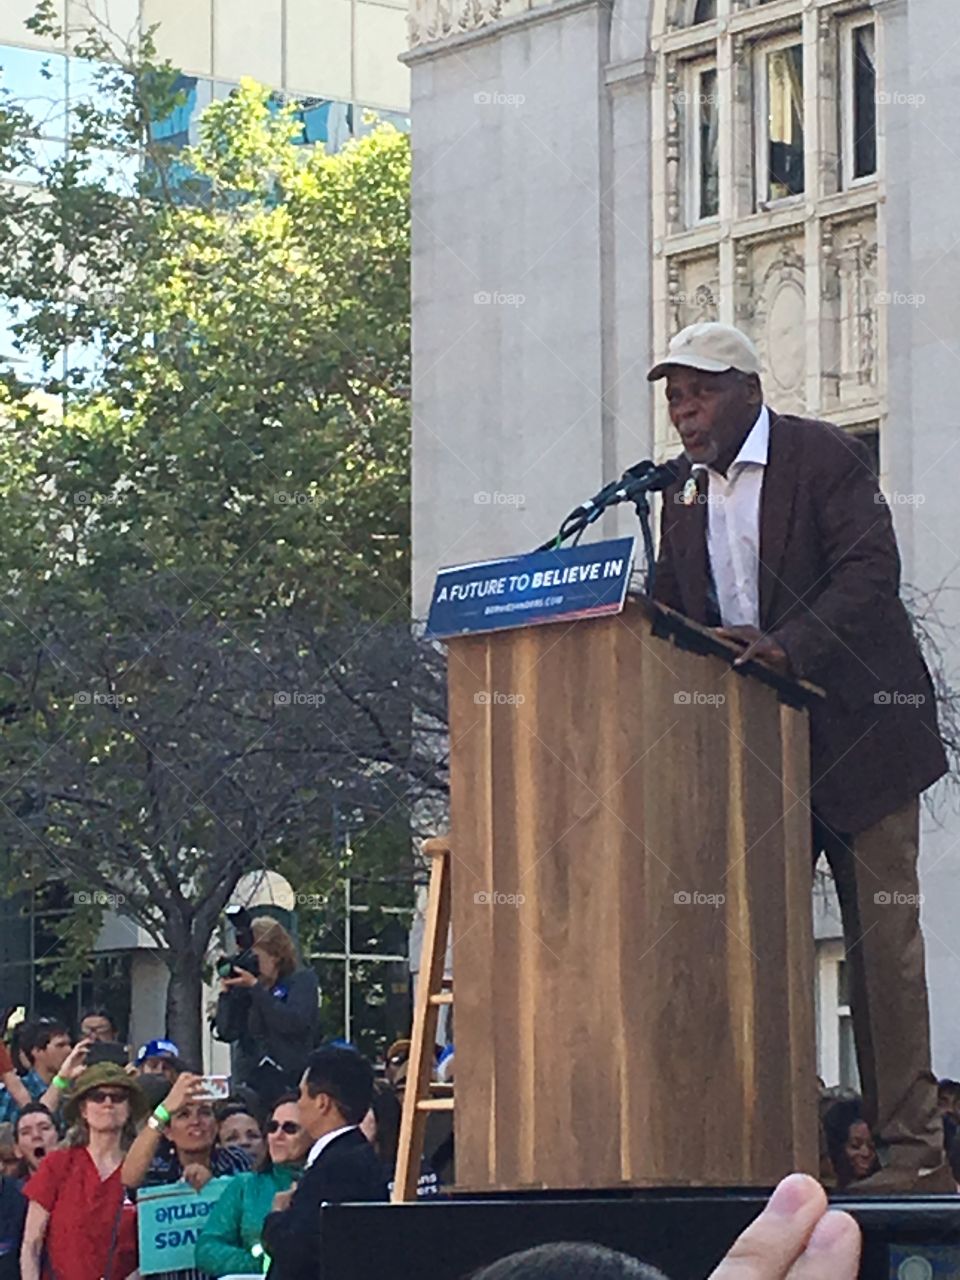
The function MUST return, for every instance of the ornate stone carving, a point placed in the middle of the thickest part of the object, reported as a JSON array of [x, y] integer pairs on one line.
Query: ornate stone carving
[[769, 268], [693, 290], [743, 294], [830, 287], [771, 306], [672, 148], [430, 20], [849, 254]]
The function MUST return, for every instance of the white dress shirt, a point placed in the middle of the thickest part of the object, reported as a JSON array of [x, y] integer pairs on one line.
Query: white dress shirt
[[733, 527], [325, 1141]]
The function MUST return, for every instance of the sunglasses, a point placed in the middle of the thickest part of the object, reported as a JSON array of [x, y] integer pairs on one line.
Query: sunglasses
[[107, 1095], [289, 1126]]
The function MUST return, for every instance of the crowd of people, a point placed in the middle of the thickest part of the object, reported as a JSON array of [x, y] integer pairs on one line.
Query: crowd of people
[[71, 1171], [89, 1129], [848, 1153]]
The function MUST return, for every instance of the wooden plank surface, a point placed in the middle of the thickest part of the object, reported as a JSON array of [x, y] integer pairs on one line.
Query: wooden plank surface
[[634, 996]]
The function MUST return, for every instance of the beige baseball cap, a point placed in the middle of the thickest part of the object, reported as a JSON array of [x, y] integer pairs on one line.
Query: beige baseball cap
[[709, 346]]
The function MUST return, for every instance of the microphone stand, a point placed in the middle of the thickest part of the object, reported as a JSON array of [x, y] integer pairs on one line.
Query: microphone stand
[[641, 504], [637, 493]]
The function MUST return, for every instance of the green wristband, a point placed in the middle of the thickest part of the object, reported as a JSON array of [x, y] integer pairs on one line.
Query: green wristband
[[60, 1082], [162, 1114]]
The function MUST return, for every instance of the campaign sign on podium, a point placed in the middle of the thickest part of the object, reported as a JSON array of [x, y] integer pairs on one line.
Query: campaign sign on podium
[[546, 586]]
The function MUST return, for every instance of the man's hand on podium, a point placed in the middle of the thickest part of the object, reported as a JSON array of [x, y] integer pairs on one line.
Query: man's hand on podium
[[762, 647], [795, 1238]]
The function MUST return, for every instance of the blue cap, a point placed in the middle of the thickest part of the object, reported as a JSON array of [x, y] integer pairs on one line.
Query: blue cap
[[157, 1049]]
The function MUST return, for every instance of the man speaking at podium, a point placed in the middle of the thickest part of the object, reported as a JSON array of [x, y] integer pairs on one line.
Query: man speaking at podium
[[776, 533]]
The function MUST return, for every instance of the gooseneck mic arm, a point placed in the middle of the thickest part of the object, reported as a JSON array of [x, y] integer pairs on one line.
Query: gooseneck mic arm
[[633, 486]]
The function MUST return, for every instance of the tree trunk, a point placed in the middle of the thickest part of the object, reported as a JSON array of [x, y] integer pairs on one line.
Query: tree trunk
[[184, 1006]]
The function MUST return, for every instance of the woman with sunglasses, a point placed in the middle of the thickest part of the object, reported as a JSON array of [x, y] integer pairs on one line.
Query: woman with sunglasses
[[229, 1241], [80, 1223]]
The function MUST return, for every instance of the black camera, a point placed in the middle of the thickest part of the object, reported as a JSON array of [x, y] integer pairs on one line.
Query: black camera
[[107, 1051], [240, 920]]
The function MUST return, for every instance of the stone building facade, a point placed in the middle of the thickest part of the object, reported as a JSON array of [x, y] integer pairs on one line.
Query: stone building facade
[[590, 176]]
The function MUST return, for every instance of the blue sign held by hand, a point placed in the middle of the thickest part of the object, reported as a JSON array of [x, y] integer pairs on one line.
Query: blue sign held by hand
[[169, 1219]]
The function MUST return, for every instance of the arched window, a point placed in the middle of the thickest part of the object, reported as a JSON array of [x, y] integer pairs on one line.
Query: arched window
[[748, 224]]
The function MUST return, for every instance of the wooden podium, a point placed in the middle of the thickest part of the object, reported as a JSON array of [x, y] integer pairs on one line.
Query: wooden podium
[[632, 931]]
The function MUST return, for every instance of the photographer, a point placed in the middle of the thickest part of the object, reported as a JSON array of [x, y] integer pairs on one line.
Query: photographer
[[268, 1006]]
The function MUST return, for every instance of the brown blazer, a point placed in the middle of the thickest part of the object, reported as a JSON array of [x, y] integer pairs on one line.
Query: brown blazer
[[829, 594]]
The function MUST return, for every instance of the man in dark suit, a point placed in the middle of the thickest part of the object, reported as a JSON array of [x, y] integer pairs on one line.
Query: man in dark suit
[[776, 533], [335, 1094]]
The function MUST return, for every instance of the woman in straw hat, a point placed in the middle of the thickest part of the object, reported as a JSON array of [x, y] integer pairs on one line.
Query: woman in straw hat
[[80, 1223]]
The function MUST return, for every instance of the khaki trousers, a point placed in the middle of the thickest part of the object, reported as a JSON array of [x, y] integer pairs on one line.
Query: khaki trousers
[[876, 877]]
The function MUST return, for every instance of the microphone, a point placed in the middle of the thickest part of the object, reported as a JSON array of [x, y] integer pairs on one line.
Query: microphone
[[646, 477], [642, 477], [599, 500]]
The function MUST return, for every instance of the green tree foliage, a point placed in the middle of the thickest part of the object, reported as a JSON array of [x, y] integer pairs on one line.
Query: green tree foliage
[[204, 549]]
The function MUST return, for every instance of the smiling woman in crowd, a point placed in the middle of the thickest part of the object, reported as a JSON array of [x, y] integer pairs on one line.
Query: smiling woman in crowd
[[849, 1142], [230, 1239], [79, 1220], [237, 1126], [179, 1140]]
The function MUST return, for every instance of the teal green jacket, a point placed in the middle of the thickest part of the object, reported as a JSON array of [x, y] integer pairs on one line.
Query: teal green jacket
[[227, 1238]]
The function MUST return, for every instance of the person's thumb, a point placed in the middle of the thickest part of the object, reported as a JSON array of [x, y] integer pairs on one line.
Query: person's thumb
[[832, 1252], [774, 1241]]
